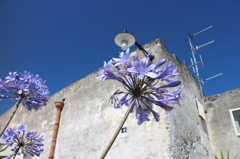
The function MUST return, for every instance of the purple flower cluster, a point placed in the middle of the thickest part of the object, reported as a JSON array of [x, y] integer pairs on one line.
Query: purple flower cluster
[[142, 81], [30, 144], [28, 88]]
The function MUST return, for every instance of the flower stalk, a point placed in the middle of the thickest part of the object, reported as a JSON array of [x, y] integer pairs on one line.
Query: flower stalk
[[11, 116], [118, 130], [16, 153]]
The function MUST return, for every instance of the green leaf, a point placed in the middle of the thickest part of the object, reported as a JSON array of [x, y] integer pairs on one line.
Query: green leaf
[[215, 157], [3, 157], [222, 157]]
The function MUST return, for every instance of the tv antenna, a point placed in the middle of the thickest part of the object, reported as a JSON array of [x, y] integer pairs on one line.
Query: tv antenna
[[194, 62]]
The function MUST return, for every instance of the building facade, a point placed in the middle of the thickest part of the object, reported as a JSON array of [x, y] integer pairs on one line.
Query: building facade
[[223, 120], [88, 121]]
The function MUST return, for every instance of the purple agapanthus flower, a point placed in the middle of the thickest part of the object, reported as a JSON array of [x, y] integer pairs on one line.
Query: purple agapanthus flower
[[28, 88], [26, 144], [143, 82], [124, 58]]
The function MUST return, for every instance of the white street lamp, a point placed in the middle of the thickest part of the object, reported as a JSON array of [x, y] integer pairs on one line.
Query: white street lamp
[[126, 40]]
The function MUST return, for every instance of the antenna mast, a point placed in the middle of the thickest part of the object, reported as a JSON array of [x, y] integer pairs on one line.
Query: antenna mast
[[194, 61]]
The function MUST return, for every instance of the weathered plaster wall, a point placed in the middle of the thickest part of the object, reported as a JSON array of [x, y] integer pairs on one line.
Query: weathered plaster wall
[[220, 126], [88, 121], [188, 140]]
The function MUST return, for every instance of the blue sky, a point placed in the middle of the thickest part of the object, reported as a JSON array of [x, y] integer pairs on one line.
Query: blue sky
[[64, 41]]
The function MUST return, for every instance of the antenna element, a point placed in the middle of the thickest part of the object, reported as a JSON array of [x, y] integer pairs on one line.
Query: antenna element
[[194, 61]]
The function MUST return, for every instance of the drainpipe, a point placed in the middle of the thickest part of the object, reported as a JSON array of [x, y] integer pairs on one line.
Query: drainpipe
[[59, 106]]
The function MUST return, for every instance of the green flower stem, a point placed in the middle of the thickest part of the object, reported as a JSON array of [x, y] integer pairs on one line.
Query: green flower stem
[[11, 116], [118, 130]]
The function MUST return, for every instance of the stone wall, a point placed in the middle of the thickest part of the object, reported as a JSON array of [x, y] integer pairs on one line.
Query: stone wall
[[220, 126], [88, 121]]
